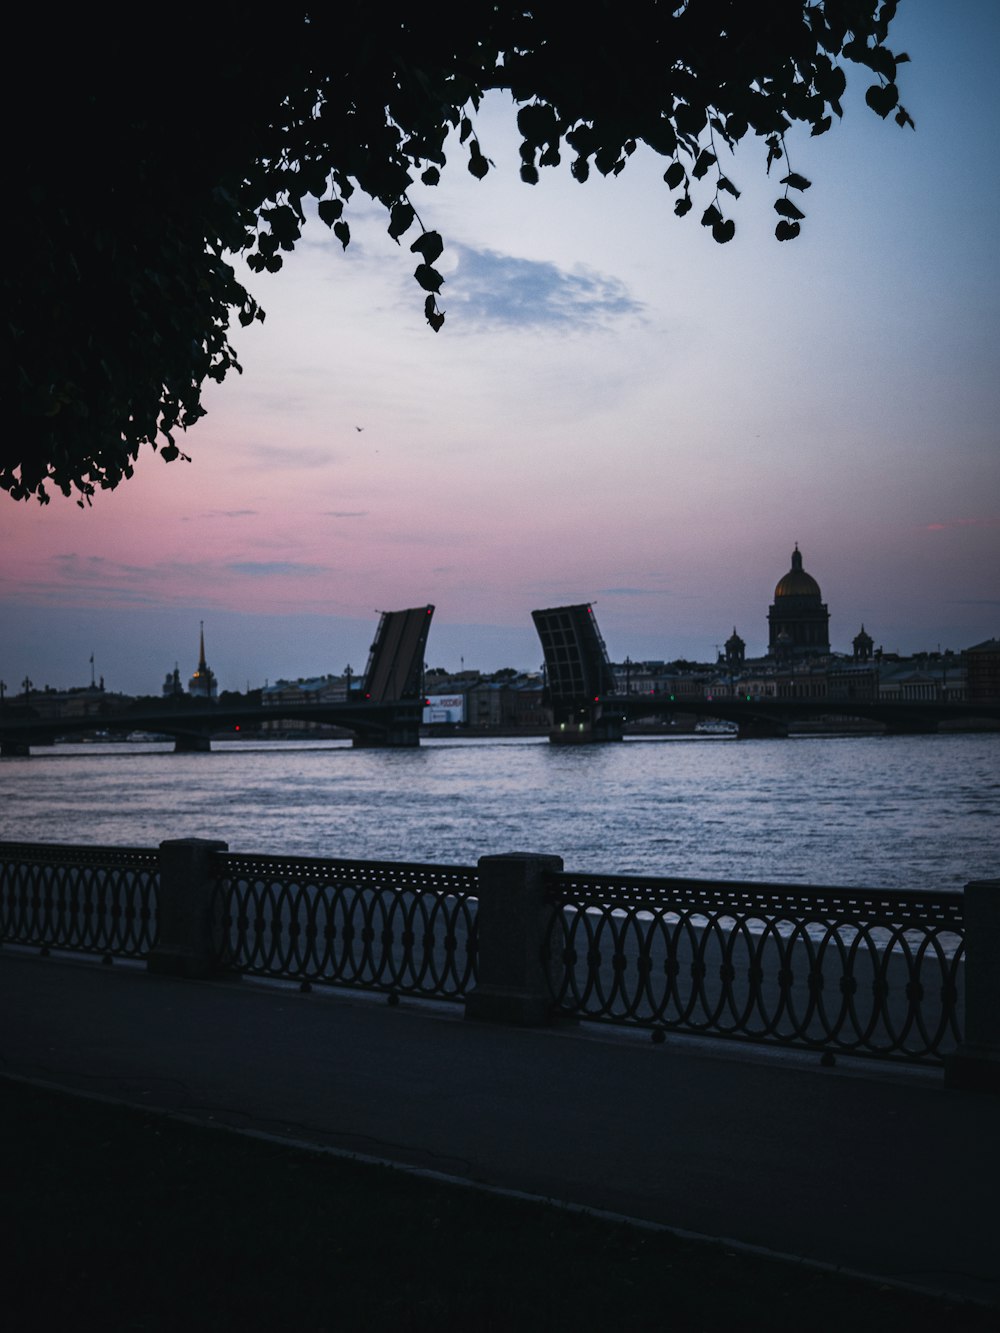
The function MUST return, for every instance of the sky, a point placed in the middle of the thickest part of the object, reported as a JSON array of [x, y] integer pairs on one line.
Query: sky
[[618, 411]]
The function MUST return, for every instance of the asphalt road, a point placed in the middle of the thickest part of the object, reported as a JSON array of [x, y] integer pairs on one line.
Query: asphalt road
[[876, 1169]]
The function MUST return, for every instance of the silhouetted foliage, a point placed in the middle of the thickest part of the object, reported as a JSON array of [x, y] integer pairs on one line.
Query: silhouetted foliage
[[141, 159]]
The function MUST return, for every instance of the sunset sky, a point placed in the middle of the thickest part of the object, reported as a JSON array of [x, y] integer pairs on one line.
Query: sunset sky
[[618, 410]]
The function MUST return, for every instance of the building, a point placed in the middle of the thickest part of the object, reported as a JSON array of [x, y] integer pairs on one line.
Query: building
[[982, 667], [202, 684], [798, 621], [173, 688]]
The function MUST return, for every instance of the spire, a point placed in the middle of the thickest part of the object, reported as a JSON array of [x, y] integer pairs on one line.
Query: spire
[[201, 653], [796, 558]]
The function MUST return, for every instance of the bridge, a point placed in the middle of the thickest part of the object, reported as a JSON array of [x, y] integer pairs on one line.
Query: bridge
[[578, 675], [385, 711], [580, 691]]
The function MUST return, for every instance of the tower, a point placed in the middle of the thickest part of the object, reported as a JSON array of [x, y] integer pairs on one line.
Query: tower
[[798, 621], [863, 645], [736, 650], [202, 684]]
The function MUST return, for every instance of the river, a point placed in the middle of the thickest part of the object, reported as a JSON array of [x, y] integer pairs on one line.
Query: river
[[885, 812]]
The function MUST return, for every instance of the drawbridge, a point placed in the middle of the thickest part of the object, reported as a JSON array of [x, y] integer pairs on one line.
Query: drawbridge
[[578, 675]]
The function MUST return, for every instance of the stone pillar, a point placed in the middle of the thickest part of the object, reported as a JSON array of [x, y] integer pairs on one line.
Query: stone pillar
[[188, 743], [511, 925], [976, 1063], [761, 728], [184, 946]]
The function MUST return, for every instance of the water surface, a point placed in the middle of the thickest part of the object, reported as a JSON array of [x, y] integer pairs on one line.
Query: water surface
[[910, 811]]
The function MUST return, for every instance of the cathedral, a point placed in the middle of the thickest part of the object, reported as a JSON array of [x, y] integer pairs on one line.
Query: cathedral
[[798, 621], [202, 684]]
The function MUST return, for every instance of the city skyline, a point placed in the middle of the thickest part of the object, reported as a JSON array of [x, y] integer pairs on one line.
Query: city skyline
[[618, 410], [96, 666]]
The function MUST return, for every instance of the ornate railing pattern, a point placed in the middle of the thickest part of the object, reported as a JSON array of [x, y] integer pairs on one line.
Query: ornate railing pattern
[[867, 972], [390, 926], [82, 899]]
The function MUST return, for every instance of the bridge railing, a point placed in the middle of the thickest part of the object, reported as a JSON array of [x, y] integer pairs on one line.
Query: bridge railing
[[853, 971], [95, 900]]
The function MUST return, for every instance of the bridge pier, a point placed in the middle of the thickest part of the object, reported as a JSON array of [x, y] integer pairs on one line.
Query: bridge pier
[[403, 736], [586, 729], [761, 728], [14, 749], [192, 744]]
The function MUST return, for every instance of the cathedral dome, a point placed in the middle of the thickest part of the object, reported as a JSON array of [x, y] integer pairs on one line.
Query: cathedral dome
[[797, 583]]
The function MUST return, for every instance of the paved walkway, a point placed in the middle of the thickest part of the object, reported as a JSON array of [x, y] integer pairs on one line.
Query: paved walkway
[[875, 1169]]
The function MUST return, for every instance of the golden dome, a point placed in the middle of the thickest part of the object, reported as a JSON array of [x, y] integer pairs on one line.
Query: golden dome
[[797, 583]]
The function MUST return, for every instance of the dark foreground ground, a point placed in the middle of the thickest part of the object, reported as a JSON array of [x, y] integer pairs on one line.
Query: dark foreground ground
[[116, 1218]]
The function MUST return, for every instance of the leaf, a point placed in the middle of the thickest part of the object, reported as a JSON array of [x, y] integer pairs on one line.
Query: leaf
[[478, 164], [724, 230], [429, 278], [787, 231], [330, 210], [529, 174], [795, 182], [465, 129], [787, 209], [882, 62], [606, 160], [343, 233], [429, 246], [431, 176], [710, 216], [882, 100], [401, 216], [683, 206], [903, 117], [701, 166], [434, 316], [724, 183], [674, 174], [822, 125]]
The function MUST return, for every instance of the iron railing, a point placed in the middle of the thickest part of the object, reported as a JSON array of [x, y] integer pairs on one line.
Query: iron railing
[[861, 971], [83, 899], [388, 926]]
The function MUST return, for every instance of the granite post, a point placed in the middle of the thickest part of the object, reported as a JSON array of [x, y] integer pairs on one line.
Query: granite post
[[976, 1063], [184, 946], [511, 925]]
